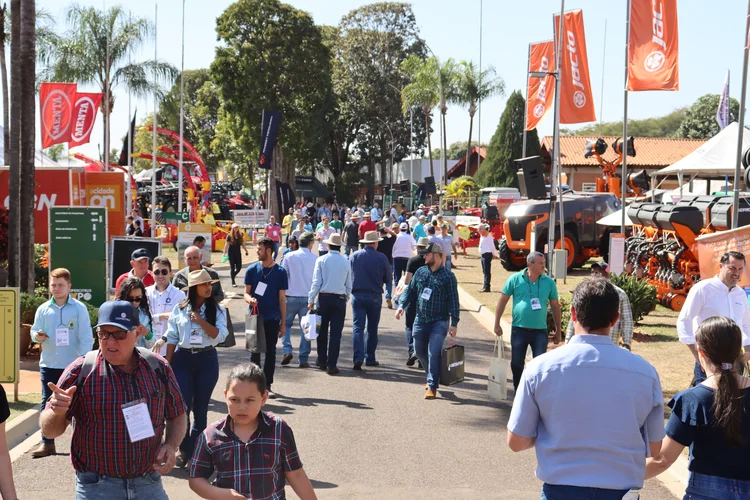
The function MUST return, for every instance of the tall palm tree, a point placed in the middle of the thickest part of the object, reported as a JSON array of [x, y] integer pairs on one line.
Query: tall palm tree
[[14, 187], [473, 86], [448, 82], [26, 152], [95, 50], [422, 91]]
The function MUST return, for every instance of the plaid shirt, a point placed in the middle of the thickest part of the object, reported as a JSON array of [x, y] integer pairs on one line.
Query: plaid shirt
[[624, 325], [443, 299], [254, 468], [100, 438]]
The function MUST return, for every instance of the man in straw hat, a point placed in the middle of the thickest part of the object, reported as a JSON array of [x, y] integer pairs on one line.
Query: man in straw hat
[[351, 234], [367, 225], [370, 271], [299, 266], [331, 286], [435, 291]]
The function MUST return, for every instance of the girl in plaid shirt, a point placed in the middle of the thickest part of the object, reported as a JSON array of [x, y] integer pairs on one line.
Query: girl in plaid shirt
[[252, 452]]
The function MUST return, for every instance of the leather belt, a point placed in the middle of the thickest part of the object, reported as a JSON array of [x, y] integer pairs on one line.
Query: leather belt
[[196, 350], [326, 294]]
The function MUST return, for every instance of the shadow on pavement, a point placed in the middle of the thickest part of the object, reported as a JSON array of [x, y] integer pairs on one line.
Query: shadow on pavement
[[322, 485], [320, 401]]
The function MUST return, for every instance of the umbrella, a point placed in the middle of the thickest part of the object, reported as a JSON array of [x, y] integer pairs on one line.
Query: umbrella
[[615, 219]]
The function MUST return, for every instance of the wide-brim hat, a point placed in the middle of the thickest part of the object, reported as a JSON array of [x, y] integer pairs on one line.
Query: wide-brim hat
[[334, 239], [370, 237], [199, 277], [355, 215], [367, 215], [423, 242]]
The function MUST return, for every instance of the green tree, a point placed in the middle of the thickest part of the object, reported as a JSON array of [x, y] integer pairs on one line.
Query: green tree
[[95, 37], [422, 92], [473, 86], [506, 145], [661, 126], [457, 150], [700, 119], [55, 153]]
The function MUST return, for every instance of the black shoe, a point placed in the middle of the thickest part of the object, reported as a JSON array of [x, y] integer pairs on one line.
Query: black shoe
[[333, 371], [376, 363], [412, 359], [484, 290], [322, 367], [234, 285], [317, 362], [357, 366], [286, 359], [304, 365]]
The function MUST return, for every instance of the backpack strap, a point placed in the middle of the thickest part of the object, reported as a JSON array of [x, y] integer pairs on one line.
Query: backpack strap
[[153, 361], [89, 361]]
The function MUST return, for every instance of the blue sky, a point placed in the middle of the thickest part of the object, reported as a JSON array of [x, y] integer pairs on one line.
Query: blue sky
[[711, 42]]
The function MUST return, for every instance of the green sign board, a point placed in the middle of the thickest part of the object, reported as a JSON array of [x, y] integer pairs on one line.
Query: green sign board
[[78, 242], [178, 216]]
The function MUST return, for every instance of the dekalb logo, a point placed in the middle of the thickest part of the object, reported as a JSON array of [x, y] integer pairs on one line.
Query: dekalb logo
[[61, 109], [655, 60]]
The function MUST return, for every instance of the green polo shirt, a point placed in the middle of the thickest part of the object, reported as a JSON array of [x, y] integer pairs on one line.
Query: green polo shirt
[[523, 290]]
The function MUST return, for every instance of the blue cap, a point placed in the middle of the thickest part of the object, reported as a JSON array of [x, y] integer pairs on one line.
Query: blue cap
[[139, 254], [118, 313]]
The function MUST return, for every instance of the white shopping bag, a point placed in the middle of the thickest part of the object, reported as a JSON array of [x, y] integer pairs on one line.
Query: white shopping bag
[[309, 325], [497, 382]]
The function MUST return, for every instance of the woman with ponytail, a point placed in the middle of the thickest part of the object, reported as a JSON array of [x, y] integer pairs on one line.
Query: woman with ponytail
[[713, 419]]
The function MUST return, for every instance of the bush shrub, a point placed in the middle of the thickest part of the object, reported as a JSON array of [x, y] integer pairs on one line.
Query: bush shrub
[[565, 310], [29, 305], [641, 294]]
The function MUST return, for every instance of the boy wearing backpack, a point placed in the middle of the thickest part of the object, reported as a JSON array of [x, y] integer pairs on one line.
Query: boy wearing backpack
[[123, 396]]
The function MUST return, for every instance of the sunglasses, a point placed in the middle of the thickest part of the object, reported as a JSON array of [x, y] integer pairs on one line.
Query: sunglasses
[[134, 299], [163, 272], [121, 335]]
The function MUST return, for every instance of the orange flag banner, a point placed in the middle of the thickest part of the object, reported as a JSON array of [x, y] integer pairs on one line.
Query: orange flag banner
[[541, 91], [576, 99], [653, 46]]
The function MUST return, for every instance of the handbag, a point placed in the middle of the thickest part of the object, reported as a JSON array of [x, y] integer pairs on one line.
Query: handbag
[[255, 337], [309, 325], [497, 381], [452, 369], [230, 341]]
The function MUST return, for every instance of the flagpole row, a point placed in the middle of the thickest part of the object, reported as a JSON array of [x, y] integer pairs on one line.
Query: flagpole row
[[741, 128], [526, 107], [623, 145], [556, 144], [153, 160], [182, 111]]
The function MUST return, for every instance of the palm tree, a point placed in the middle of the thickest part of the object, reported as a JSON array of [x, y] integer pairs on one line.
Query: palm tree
[[459, 187], [95, 50], [422, 91], [448, 83], [474, 86]]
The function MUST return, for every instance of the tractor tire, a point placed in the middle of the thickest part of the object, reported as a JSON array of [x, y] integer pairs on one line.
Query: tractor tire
[[505, 257], [571, 245]]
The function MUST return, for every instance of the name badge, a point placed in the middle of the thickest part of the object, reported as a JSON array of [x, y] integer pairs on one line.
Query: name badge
[[426, 293], [260, 288], [196, 337], [159, 327], [138, 420], [535, 304], [62, 337]]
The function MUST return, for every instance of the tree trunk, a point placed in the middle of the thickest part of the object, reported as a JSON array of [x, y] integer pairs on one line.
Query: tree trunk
[[444, 166], [4, 84], [250, 172], [27, 59], [14, 192], [472, 109], [429, 144]]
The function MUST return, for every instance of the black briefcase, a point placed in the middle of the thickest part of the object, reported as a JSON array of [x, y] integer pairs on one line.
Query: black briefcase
[[452, 369]]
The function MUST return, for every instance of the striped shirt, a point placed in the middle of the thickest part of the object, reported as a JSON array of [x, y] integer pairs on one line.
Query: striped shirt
[[623, 327], [256, 467], [100, 441]]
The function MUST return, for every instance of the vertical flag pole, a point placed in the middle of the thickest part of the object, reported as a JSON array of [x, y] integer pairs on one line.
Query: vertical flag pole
[[153, 160], [526, 108], [130, 148], [624, 144], [604, 61], [182, 112], [479, 114], [556, 142], [106, 91], [741, 128]]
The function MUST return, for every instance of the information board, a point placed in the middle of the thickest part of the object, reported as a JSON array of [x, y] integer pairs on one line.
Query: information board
[[186, 234], [616, 253], [10, 321], [253, 218], [78, 242]]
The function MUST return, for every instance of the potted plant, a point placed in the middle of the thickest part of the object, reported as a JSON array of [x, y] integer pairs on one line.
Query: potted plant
[[29, 305]]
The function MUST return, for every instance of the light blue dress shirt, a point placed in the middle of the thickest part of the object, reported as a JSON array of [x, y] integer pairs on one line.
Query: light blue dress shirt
[[332, 274], [179, 328], [593, 408], [142, 340], [72, 315]]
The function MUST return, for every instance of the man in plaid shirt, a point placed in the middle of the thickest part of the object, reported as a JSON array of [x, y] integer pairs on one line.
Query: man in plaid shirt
[[435, 291], [122, 388], [624, 325]]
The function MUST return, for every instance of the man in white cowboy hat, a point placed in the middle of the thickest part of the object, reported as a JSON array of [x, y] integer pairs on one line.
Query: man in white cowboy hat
[[351, 234], [370, 271], [367, 225], [299, 266], [331, 286]]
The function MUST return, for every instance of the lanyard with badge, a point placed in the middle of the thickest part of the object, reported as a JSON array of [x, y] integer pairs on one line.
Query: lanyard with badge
[[62, 332], [536, 304], [138, 420], [160, 325], [260, 288], [196, 334]]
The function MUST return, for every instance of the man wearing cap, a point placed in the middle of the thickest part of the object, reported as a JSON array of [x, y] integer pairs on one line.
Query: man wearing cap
[[412, 266], [419, 231], [434, 236], [122, 409], [435, 291], [299, 266], [293, 246], [624, 325], [487, 252], [331, 287], [351, 234], [366, 225], [403, 250], [139, 264], [385, 246], [370, 271], [322, 234]]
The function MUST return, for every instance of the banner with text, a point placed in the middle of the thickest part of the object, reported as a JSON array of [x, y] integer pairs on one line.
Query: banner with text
[[270, 130], [84, 114], [653, 62], [541, 91], [107, 189], [254, 218], [56, 102], [712, 246], [576, 98]]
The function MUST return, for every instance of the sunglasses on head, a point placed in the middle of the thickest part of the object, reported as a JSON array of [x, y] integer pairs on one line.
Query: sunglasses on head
[[135, 299], [163, 272], [119, 335]]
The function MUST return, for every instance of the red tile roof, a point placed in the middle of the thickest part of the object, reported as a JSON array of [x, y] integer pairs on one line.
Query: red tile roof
[[651, 152], [462, 161]]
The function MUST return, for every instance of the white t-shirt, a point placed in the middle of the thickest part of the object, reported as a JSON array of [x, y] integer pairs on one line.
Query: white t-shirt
[[324, 234], [487, 244]]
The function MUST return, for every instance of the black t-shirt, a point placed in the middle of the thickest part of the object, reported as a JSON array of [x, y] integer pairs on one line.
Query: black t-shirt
[[692, 423], [415, 263], [386, 247], [4, 408], [352, 234]]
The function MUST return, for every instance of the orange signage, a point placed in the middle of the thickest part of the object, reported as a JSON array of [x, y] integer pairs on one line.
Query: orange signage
[[712, 246], [541, 91], [653, 46], [576, 98], [107, 189]]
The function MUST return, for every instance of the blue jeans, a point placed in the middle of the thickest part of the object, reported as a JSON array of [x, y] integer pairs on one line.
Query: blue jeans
[[428, 344], [411, 314], [349, 250], [388, 290], [365, 312], [399, 268], [93, 486], [296, 307], [705, 487], [332, 311], [561, 492], [698, 374], [196, 375], [520, 340], [48, 375], [276, 245]]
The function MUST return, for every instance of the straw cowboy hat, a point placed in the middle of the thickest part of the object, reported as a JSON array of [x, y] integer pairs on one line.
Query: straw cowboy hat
[[367, 215], [423, 242], [370, 237], [334, 239], [355, 215], [199, 277]]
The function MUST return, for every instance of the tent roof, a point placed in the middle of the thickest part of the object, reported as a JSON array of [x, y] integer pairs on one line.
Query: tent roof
[[715, 158]]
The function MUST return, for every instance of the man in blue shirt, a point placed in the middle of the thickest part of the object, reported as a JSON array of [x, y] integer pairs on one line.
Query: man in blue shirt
[[419, 230], [331, 285], [63, 327], [593, 411], [370, 271], [265, 286]]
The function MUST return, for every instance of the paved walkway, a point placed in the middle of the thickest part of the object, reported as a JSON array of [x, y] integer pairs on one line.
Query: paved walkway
[[369, 435]]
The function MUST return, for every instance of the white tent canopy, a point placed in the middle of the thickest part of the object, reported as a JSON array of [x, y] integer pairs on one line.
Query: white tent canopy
[[615, 219], [717, 157]]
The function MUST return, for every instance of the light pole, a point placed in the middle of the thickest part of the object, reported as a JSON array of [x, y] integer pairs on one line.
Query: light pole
[[393, 146]]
